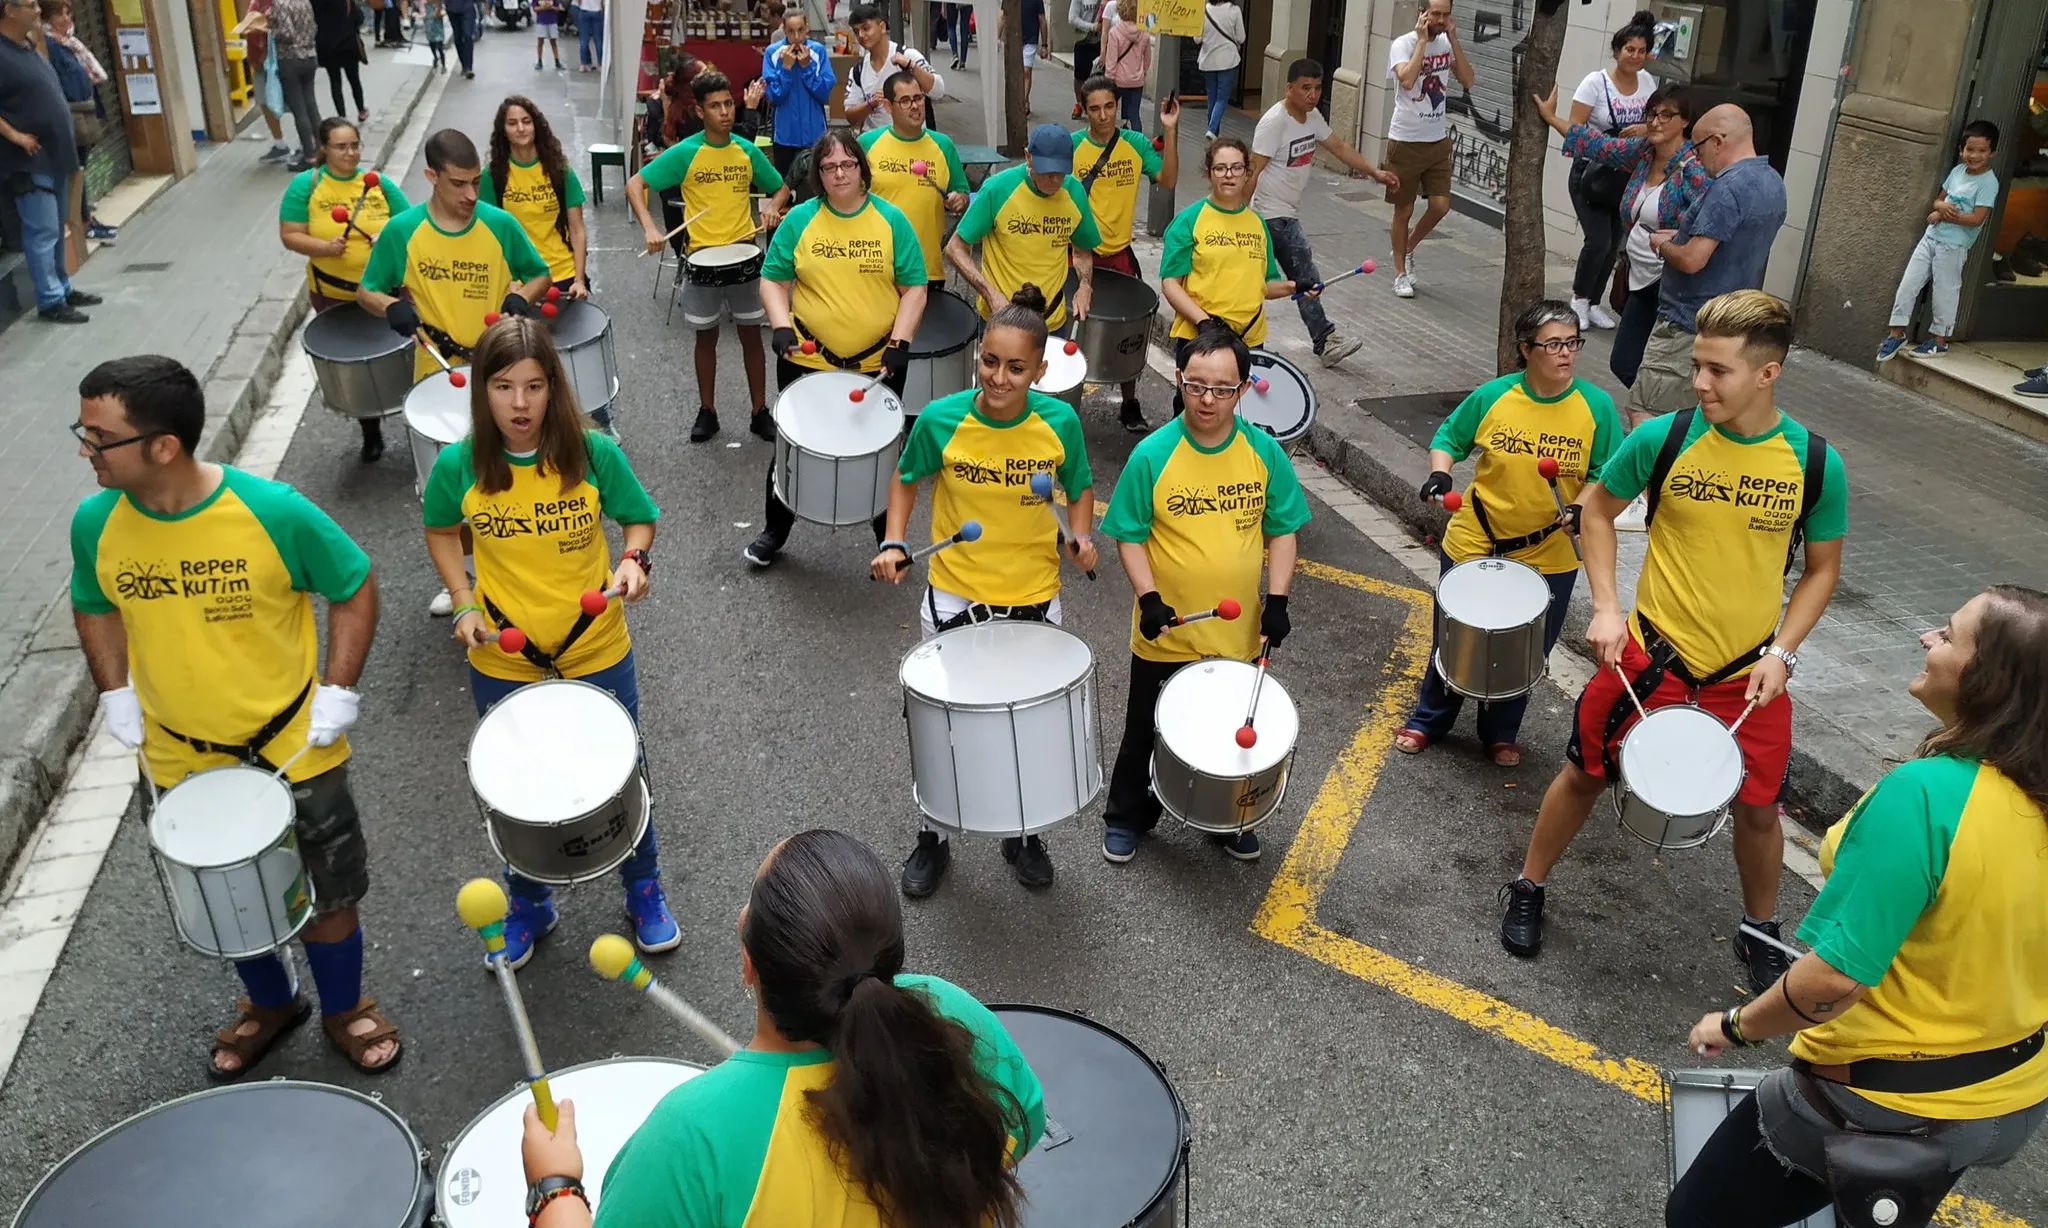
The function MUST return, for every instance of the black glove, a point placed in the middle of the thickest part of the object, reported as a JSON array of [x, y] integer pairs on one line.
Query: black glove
[[783, 342], [896, 360], [1573, 514], [1154, 615], [1438, 482], [516, 305], [1273, 621], [403, 318]]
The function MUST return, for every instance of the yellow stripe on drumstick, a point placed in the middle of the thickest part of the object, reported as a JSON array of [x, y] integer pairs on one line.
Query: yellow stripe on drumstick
[[481, 905], [614, 960]]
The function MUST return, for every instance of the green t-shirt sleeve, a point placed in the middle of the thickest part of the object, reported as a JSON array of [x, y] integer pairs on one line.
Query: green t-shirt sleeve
[[572, 188], [1086, 235], [996, 1056], [394, 199], [980, 217], [1286, 505], [924, 452], [385, 272], [520, 252], [298, 197], [1456, 433], [1129, 518], [1607, 433], [1177, 256], [449, 479], [1627, 473], [619, 492], [487, 189], [910, 270], [1830, 518], [1888, 865], [1272, 261], [665, 1175], [867, 139], [672, 165], [1075, 473], [320, 557], [956, 174], [1148, 158], [781, 262], [87, 523], [767, 179]]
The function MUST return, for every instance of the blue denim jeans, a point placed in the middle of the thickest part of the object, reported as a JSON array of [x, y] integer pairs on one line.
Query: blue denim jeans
[[1217, 84], [589, 37], [1437, 707], [1298, 260], [1632, 333], [625, 687], [42, 238]]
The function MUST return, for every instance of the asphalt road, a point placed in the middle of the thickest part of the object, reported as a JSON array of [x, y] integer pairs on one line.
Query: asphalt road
[[1359, 1074]]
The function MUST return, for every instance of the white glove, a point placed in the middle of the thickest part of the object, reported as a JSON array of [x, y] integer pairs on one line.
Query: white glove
[[334, 710], [122, 711]]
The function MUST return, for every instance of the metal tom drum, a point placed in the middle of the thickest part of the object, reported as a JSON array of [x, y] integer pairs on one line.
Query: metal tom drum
[[728, 264], [1695, 1103], [555, 767], [835, 458], [1115, 1151], [583, 336], [1065, 374], [227, 857], [1680, 769], [1002, 727], [363, 367], [1118, 328], [1286, 407], [942, 352], [1489, 628], [313, 1154], [481, 1184], [436, 415], [1199, 772]]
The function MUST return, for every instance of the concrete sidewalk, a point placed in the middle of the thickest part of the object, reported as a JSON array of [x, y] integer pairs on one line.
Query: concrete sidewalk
[[198, 274]]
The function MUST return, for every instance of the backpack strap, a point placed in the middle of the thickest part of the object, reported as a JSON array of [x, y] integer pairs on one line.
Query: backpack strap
[[1810, 491], [1667, 456]]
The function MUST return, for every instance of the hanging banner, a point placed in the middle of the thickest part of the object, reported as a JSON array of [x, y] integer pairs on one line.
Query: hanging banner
[[1182, 17]]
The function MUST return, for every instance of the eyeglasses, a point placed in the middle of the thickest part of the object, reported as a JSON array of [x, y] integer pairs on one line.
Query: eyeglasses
[[830, 168], [346, 147], [1229, 168], [905, 100], [1210, 392], [1664, 114], [101, 449], [1559, 346], [1700, 142]]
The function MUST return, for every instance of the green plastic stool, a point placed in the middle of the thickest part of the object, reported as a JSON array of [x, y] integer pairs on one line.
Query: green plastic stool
[[602, 156]]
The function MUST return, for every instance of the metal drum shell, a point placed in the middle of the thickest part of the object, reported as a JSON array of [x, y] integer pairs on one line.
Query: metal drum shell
[[560, 848], [724, 272], [1223, 803], [243, 906], [1118, 329], [1066, 375], [432, 409], [590, 361], [1673, 828], [371, 386], [1695, 1102], [1490, 664], [827, 487], [940, 365]]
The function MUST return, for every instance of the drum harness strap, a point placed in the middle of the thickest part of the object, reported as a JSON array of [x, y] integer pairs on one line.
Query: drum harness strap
[[1664, 659], [543, 661], [843, 362], [249, 752], [341, 284], [1095, 171], [981, 612], [449, 346], [1501, 548]]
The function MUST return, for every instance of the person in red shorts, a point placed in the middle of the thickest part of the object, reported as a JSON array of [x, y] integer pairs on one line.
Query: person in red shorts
[[1734, 487]]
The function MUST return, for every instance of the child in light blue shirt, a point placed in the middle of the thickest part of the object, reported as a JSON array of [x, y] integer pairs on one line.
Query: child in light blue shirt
[[1960, 210]]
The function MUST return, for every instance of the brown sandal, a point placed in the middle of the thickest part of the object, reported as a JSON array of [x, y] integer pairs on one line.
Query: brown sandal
[[1505, 754], [352, 1046], [272, 1023], [1412, 741]]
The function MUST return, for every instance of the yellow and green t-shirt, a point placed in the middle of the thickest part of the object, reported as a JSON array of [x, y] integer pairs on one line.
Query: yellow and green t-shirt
[[1714, 578], [1934, 899], [456, 277], [1028, 237], [1225, 258], [1513, 428], [889, 158], [213, 602], [529, 197], [539, 548], [984, 470], [735, 1148], [311, 197], [1204, 515], [1113, 193], [717, 181], [846, 268]]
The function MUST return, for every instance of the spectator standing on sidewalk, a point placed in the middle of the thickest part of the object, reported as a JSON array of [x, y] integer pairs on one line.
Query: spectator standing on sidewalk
[[1084, 17], [80, 74], [547, 31], [1612, 100], [589, 35], [1220, 57], [1283, 147], [461, 15], [295, 33], [434, 25], [799, 78], [340, 51], [264, 83], [879, 59], [1127, 61], [1037, 35], [1418, 137], [37, 159], [1961, 208]]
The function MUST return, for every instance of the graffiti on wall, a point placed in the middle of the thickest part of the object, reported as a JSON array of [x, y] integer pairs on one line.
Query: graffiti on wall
[[1482, 117]]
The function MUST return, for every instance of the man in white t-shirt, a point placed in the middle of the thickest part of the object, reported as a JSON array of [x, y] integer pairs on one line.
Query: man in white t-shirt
[[879, 60], [1418, 139], [1283, 148]]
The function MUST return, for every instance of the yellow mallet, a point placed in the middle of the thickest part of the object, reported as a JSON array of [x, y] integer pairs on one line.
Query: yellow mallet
[[481, 905], [614, 960]]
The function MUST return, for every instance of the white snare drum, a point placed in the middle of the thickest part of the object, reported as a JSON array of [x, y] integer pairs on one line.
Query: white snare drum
[[1002, 727], [1489, 628], [1065, 374], [1199, 772], [227, 855], [363, 367], [555, 767], [583, 336], [481, 1184], [728, 264], [835, 458], [436, 415], [1286, 407], [1680, 769], [1695, 1103]]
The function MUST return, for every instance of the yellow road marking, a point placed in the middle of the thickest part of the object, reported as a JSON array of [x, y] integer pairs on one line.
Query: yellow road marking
[[1288, 914]]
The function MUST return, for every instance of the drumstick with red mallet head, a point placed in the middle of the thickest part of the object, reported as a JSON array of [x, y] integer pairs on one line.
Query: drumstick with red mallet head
[[595, 601], [510, 640], [861, 393], [547, 307], [456, 379], [347, 217], [1547, 466], [922, 169], [1227, 609], [1364, 266], [1041, 485], [970, 531], [1247, 736]]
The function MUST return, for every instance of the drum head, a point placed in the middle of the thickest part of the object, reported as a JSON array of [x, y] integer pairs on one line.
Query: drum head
[[1115, 1134], [481, 1185], [724, 254], [1202, 707], [436, 409], [1287, 406], [949, 323], [348, 333], [289, 1152], [578, 322], [552, 750], [1681, 760], [1121, 298], [1494, 594], [817, 414], [996, 663], [220, 816], [1063, 371]]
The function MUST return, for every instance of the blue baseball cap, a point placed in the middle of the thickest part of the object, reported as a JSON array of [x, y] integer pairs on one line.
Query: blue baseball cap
[[1051, 149]]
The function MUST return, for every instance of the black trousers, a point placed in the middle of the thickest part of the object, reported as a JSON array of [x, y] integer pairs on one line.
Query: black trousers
[[1131, 804], [1601, 225], [779, 516]]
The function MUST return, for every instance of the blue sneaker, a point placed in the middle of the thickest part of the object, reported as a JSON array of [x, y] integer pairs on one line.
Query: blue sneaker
[[653, 929], [1931, 348], [526, 923], [2036, 386], [1244, 845], [1889, 348], [1119, 844]]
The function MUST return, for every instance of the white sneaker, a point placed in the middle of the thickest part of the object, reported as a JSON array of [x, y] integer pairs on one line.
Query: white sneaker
[[442, 605], [1404, 285], [1580, 308], [1413, 280], [1635, 517], [1599, 317], [1337, 347]]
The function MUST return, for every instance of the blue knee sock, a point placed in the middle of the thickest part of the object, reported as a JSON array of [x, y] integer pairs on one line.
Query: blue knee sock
[[338, 972], [269, 985]]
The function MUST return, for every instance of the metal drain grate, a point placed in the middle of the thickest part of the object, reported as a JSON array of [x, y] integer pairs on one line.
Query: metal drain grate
[[147, 266]]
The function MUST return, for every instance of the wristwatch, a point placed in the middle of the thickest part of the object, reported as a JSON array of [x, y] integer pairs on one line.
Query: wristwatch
[[639, 556], [1790, 658], [547, 1189]]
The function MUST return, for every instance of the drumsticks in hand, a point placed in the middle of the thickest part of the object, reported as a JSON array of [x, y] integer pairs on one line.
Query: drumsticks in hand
[[456, 379], [1547, 466], [511, 640], [1041, 485], [1227, 609], [613, 958], [594, 601], [1364, 266], [481, 905], [680, 228], [1247, 736], [347, 216], [970, 531]]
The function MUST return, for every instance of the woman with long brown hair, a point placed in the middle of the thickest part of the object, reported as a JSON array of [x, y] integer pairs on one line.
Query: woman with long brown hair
[[529, 177], [1919, 1011], [534, 481], [868, 1096]]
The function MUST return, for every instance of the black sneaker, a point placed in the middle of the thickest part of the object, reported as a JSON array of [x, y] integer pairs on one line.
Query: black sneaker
[[1028, 858], [762, 550], [762, 423], [926, 865], [1521, 924], [1766, 962], [1243, 845], [1133, 418], [79, 298], [373, 440], [706, 425], [62, 313]]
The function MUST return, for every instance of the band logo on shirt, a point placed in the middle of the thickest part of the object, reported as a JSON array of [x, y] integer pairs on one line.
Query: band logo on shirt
[[1058, 227], [1567, 450], [541, 194], [1006, 471], [143, 582], [1701, 486], [1244, 500], [472, 277], [738, 175], [870, 254], [1235, 238]]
